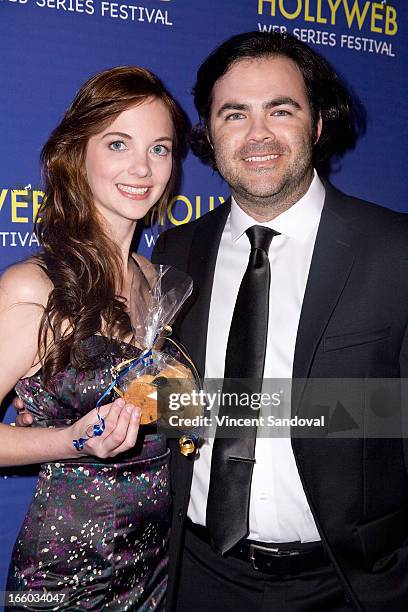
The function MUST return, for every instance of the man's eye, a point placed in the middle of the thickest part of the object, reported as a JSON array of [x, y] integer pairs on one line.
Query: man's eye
[[160, 150], [234, 117], [280, 113], [117, 145]]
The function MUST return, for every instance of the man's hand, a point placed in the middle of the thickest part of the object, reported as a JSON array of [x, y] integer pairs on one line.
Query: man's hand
[[23, 418]]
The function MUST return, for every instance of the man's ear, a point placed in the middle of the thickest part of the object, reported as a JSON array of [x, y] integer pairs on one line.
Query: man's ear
[[319, 127]]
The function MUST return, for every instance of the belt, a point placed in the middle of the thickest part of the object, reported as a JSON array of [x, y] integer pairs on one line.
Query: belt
[[281, 558]]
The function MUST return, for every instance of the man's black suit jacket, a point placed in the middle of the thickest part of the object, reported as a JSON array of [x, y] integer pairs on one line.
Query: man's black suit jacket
[[353, 324]]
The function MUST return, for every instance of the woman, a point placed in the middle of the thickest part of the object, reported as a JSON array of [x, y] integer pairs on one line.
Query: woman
[[97, 528]]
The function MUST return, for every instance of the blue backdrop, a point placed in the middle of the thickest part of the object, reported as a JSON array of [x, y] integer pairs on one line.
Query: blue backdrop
[[48, 48]]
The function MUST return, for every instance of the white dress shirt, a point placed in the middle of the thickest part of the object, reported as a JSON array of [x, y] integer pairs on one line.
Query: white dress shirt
[[279, 511]]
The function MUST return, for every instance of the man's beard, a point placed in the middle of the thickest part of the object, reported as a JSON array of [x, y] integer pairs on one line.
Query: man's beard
[[279, 190]]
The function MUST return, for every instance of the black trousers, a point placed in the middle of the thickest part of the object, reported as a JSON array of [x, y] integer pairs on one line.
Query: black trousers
[[210, 583]]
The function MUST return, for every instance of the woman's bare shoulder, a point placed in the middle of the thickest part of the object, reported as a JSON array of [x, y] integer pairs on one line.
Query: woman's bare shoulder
[[25, 282]]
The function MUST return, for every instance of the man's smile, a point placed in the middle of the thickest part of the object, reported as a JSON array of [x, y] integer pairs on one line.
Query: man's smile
[[260, 158]]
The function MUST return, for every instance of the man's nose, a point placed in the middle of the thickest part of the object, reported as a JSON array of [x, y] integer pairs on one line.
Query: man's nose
[[260, 129]]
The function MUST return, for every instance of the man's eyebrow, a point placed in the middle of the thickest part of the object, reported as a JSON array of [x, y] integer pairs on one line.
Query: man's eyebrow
[[237, 106], [234, 106], [281, 100]]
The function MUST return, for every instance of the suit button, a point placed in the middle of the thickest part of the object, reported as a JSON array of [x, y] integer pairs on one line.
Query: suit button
[[179, 515]]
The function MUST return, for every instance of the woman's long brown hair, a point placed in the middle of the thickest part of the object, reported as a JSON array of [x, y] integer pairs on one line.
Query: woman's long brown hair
[[82, 263]]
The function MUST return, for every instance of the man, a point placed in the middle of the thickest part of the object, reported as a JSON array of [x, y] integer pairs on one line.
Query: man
[[321, 523]]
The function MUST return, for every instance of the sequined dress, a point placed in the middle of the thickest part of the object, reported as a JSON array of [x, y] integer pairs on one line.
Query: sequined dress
[[96, 529]]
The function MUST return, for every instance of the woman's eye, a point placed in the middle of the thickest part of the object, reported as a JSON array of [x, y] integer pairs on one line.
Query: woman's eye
[[117, 145], [160, 150]]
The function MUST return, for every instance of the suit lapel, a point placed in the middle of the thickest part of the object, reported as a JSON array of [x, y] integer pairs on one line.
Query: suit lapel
[[332, 262], [201, 268]]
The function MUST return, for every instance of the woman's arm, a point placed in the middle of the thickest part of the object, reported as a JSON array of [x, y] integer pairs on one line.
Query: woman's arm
[[25, 445], [24, 290]]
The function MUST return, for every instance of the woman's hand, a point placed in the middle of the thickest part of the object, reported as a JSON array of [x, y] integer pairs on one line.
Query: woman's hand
[[122, 421], [23, 418]]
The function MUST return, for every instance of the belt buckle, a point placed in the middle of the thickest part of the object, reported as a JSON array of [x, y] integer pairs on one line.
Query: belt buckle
[[273, 552]]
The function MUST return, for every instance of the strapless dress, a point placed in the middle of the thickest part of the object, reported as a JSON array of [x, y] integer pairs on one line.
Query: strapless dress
[[96, 530]]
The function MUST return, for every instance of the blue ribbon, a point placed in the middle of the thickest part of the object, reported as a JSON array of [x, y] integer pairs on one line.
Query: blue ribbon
[[146, 359], [99, 428]]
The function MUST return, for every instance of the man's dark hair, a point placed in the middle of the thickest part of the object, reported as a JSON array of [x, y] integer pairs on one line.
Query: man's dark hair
[[328, 96]]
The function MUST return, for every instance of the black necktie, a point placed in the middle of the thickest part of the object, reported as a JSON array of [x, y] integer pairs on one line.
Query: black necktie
[[233, 457]]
